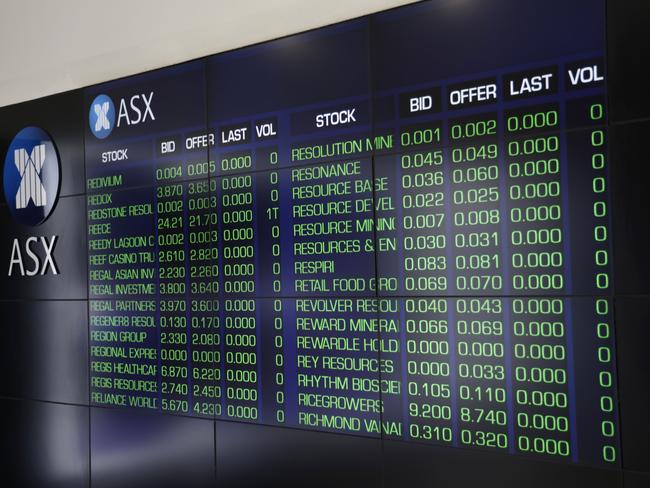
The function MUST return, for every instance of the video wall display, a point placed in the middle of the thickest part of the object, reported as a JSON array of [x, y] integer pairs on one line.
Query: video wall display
[[365, 229], [396, 228]]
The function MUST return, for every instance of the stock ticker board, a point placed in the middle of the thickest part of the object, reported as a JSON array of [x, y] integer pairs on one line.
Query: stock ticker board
[[380, 228]]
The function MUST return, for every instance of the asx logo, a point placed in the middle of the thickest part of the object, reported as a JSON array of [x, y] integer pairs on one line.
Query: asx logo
[[31, 176], [31, 180], [102, 117]]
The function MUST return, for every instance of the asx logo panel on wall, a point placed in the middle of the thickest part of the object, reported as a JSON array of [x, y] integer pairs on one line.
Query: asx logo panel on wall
[[43, 222]]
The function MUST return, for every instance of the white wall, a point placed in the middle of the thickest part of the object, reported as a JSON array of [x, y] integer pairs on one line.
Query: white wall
[[49, 46]]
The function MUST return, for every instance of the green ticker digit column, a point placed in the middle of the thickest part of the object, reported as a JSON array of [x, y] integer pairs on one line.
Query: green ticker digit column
[[535, 195], [272, 326], [600, 191], [203, 303], [428, 387], [541, 391], [240, 317], [596, 183], [604, 327], [481, 372], [607, 400], [478, 261], [171, 235], [423, 214], [537, 242], [476, 199]]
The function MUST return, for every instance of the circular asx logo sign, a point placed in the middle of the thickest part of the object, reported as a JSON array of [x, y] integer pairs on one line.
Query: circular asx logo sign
[[31, 176], [101, 116]]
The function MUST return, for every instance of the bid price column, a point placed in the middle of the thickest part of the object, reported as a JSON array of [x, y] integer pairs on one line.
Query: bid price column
[[416, 266], [170, 240]]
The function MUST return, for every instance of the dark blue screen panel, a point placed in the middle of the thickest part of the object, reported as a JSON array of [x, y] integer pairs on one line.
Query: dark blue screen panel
[[327, 64], [495, 35], [294, 101]]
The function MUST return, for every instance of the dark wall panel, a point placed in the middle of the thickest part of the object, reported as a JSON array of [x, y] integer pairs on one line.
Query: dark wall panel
[[633, 336], [628, 39], [133, 449], [636, 480], [44, 445], [630, 176], [261, 456], [44, 350]]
